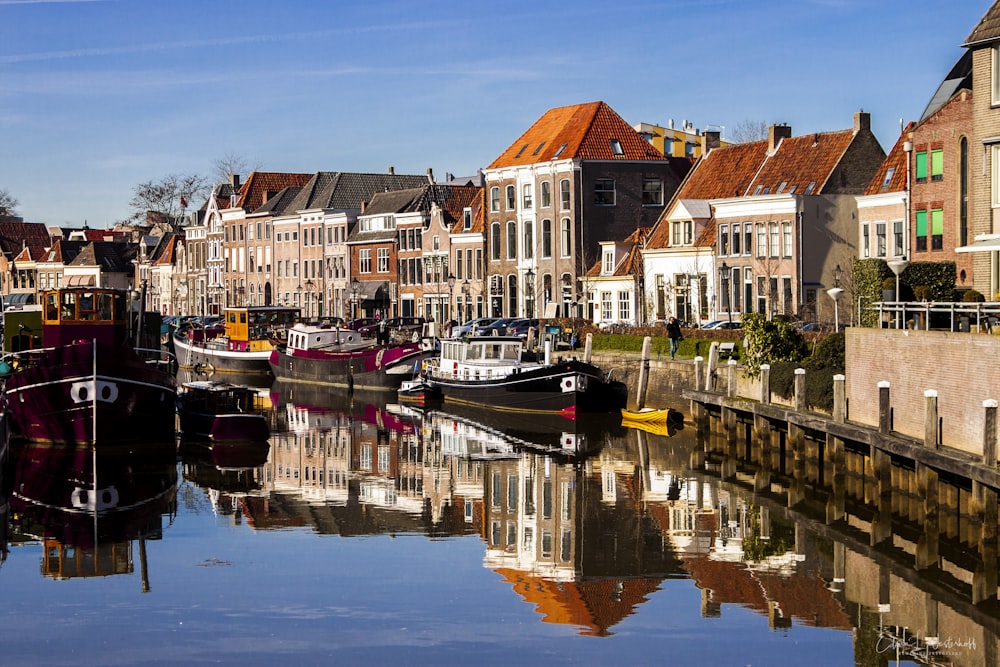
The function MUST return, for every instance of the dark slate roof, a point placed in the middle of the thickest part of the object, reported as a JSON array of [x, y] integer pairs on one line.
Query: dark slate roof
[[16, 235], [113, 257], [398, 201], [280, 204], [260, 186], [988, 28], [958, 78], [348, 191]]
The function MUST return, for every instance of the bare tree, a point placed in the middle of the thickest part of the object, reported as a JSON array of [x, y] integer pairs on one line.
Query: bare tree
[[231, 163], [168, 196], [8, 203], [746, 131]]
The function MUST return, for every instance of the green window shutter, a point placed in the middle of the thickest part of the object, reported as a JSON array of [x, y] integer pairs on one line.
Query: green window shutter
[[921, 223], [937, 222], [937, 162], [921, 165]]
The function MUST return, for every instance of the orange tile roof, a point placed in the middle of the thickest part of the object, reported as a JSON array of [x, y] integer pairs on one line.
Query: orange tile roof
[[580, 131], [896, 161]]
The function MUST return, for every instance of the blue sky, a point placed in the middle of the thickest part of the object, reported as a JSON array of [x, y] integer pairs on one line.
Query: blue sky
[[97, 96]]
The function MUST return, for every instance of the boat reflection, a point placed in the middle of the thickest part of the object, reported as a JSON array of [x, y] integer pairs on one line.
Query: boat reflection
[[87, 504]]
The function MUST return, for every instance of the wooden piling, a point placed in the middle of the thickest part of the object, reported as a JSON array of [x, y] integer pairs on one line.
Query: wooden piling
[[932, 434], [884, 409], [800, 389], [765, 384], [839, 398]]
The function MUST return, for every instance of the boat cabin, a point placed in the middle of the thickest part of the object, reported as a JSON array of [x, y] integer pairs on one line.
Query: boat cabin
[[85, 313], [482, 357], [309, 337], [251, 328]]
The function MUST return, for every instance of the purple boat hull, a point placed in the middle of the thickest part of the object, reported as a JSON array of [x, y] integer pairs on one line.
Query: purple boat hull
[[87, 393], [370, 367]]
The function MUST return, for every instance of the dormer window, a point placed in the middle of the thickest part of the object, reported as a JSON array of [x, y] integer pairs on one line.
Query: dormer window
[[467, 218], [616, 147], [888, 177], [608, 267]]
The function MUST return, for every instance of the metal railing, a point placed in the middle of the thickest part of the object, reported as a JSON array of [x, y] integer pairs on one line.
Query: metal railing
[[961, 315]]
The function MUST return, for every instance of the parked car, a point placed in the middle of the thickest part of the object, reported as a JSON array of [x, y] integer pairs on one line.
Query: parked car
[[497, 327], [356, 324], [520, 327], [722, 324], [397, 325], [466, 329]]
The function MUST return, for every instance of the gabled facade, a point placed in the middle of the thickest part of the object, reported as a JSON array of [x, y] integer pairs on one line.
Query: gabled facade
[[613, 282], [785, 215], [578, 176], [883, 210]]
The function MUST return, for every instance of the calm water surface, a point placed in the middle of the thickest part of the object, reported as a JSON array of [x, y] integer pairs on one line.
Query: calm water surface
[[374, 534]]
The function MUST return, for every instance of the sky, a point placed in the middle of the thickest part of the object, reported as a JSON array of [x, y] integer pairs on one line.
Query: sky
[[99, 96]]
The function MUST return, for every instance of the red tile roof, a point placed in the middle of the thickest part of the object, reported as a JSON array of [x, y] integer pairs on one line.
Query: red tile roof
[[262, 185], [896, 161], [580, 131]]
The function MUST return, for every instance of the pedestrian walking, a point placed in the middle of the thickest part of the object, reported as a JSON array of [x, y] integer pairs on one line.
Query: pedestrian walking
[[675, 335]]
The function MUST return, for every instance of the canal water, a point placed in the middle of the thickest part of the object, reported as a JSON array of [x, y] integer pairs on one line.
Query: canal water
[[372, 533]]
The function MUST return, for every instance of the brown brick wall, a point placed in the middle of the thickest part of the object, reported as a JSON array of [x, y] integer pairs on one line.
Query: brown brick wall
[[945, 130], [961, 367], [986, 121]]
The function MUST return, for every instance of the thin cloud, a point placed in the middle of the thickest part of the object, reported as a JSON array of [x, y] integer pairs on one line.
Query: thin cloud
[[197, 44]]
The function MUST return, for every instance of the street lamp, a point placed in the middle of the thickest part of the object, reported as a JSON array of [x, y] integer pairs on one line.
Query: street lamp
[[355, 288], [529, 293], [451, 294], [309, 288], [724, 280], [897, 266], [835, 293], [467, 291]]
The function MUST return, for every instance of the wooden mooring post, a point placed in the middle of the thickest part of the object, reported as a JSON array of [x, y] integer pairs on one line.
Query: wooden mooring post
[[983, 504]]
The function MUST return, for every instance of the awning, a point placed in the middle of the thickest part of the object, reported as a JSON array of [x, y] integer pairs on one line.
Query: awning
[[982, 245], [18, 299], [80, 281], [373, 290]]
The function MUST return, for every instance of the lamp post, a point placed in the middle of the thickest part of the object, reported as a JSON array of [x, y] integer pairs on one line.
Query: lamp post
[[467, 291], [529, 293], [724, 281], [897, 266], [309, 289], [355, 288], [451, 294], [835, 293]]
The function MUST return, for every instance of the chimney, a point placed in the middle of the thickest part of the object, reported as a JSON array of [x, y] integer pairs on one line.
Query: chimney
[[234, 180], [775, 134], [430, 174], [709, 140], [392, 170], [862, 121]]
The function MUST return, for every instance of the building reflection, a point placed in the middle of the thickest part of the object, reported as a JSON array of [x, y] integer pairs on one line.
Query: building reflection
[[87, 505], [586, 520]]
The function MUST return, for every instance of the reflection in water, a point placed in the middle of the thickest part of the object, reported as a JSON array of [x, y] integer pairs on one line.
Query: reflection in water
[[87, 505]]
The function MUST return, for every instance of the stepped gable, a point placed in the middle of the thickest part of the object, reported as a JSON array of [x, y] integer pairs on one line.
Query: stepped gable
[[579, 131], [896, 161], [988, 28]]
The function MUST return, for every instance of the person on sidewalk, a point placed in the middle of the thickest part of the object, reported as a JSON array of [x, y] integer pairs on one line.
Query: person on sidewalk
[[675, 335]]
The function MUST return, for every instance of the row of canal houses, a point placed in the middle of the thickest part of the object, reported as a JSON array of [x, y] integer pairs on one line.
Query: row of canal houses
[[582, 215]]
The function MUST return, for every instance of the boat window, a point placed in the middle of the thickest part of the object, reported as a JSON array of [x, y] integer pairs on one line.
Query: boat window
[[52, 306], [104, 310], [474, 352], [85, 306], [510, 352], [68, 310], [243, 318]]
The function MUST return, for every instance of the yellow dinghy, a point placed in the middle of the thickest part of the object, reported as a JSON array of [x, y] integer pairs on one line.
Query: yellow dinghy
[[646, 415]]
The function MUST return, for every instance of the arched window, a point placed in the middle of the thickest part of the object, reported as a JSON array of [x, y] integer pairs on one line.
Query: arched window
[[511, 240], [546, 238], [529, 239], [512, 295], [495, 241], [495, 198]]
